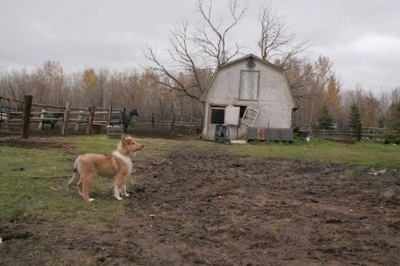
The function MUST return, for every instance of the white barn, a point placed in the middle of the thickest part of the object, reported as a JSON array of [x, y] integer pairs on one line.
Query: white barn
[[248, 97]]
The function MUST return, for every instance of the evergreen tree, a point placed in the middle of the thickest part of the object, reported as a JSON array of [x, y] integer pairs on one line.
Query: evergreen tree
[[394, 135], [355, 121], [395, 121], [325, 119]]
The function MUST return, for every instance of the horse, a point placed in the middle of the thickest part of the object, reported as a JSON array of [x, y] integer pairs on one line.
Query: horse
[[52, 122], [127, 119]]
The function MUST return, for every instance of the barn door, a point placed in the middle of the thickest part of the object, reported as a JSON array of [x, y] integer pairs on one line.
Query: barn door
[[232, 114]]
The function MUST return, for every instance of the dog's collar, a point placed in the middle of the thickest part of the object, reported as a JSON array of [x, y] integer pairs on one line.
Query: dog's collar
[[125, 158]]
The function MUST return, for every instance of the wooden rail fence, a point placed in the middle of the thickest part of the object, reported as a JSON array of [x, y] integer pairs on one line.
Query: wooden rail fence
[[367, 133], [17, 116]]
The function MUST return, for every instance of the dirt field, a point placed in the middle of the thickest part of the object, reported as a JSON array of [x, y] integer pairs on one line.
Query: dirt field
[[209, 208]]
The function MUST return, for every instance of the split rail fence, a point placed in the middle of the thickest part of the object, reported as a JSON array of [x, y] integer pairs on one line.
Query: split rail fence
[[367, 133], [17, 116]]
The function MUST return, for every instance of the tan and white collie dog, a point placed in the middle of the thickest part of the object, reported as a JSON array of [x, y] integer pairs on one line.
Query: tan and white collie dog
[[117, 165]]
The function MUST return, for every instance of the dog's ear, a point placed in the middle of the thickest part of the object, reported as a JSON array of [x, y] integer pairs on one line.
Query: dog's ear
[[125, 138]]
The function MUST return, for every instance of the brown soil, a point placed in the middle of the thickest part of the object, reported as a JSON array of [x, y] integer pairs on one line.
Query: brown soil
[[210, 208]]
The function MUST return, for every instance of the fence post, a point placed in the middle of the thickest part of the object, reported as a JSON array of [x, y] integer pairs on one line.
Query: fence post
[[26, 119], [191, 125], [40, 127], [65, 120], [109, 116], [90, 122], [80, 118], [123, 119]]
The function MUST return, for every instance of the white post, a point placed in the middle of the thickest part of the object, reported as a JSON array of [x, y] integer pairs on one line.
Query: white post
[[41, 121]]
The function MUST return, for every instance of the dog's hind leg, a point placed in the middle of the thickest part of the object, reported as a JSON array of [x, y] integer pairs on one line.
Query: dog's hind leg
[[74, 179], [84, 185]]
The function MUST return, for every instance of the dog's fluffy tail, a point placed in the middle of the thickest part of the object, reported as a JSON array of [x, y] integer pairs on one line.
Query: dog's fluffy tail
[[74, 179]]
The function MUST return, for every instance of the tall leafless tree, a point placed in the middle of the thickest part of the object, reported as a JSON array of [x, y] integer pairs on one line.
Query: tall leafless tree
[[276, 44], [191, 52], [212, 38]]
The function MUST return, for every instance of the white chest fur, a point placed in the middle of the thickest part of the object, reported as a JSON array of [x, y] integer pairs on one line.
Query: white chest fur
[[125, 159]]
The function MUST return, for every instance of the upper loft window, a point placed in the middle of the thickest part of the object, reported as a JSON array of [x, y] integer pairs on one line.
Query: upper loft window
[[249, 85], [251, 64]]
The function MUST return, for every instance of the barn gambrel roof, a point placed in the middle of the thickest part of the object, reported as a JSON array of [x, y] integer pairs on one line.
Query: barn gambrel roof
[[249, 56], [246, 57]]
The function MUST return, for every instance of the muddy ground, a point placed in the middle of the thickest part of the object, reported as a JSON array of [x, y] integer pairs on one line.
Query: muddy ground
[[208, 208]]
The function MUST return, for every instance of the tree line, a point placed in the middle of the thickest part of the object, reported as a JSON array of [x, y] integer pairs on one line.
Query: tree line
[[169, 86]]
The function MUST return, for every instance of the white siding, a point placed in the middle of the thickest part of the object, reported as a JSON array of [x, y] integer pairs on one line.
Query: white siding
[[264, 88]]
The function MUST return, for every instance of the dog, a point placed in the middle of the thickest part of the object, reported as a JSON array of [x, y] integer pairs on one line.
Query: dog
[[117, 165]]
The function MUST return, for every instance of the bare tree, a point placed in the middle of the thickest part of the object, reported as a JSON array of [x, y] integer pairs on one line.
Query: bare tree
[[102, 82], [276, 43], [190, 52], [48, 82], [184, 57], [280, 47], [212, 38], [15, 84]]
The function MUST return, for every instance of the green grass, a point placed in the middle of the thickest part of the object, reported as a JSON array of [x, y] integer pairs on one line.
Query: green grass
[[365, 154], [33, 181], [33, 186]]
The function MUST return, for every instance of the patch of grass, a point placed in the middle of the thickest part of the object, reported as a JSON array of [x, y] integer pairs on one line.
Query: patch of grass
[[33, 187], [365, 154], [33, 181]]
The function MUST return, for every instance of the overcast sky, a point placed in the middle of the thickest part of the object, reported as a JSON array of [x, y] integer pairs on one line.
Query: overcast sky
[[360, 37]]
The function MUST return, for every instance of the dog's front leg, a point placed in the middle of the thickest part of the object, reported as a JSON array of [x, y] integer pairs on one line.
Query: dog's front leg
[[117, 194]]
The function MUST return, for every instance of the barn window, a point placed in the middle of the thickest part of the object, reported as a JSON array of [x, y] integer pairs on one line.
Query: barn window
[[251, 64], [249, 84], [217, 115]]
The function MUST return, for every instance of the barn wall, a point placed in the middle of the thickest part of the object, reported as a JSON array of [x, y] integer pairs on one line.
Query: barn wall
[[274, 101]]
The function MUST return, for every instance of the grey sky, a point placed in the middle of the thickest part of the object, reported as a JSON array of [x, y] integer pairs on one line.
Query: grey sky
[[360, 37]]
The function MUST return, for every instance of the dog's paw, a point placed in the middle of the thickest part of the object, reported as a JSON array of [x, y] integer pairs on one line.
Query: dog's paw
[[126, 194], [91, 199]]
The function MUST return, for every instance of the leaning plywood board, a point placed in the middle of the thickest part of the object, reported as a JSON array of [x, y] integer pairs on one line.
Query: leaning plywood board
[[232, 115]]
